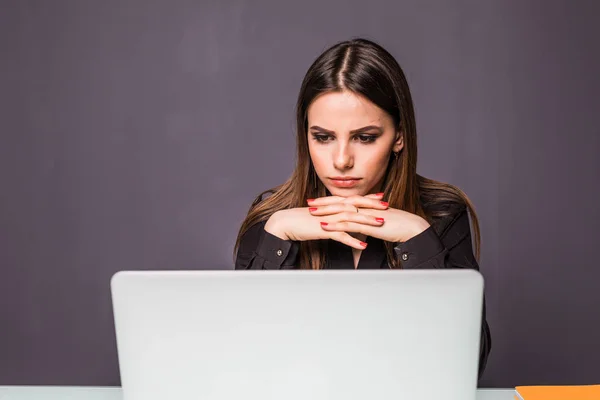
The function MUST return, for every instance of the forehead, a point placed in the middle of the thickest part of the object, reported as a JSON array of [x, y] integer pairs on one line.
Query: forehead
[[345, 111]]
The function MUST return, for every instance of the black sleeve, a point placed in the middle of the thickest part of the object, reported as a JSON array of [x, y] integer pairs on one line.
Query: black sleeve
[[452, 248], [261, 250]]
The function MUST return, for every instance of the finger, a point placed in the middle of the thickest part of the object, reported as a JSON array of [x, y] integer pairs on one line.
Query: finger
[[366, 202], [378, 196], [323, 201], [332, 209], [348, 240], [349, 227], [359, 218]]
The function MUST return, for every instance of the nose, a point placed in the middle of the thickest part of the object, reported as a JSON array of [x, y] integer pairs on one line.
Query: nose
[[343, 159]]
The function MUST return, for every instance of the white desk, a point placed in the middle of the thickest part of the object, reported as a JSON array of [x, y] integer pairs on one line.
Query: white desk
[[114, 393]]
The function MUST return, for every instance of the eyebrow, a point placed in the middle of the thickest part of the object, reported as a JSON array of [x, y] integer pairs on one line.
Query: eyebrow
[[359, 130]]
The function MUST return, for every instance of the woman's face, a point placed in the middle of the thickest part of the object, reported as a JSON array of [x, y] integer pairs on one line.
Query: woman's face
[[350, 141]]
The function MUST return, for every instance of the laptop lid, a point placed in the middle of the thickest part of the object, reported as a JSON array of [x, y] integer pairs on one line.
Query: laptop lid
[[298, 335]]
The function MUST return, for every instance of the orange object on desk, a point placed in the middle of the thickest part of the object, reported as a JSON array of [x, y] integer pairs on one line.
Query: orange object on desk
[[557, 392]]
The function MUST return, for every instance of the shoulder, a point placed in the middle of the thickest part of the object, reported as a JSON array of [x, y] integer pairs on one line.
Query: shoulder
[[449, 216], [262, 196], [451, 221], [251, 238], [444, 206], [252, 228]]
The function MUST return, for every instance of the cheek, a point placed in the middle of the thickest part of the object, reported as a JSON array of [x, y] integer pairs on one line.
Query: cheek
[[317, 156], [375, 165], [377, 160]]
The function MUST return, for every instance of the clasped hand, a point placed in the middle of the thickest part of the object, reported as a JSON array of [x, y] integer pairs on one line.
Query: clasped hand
[[337, 218]]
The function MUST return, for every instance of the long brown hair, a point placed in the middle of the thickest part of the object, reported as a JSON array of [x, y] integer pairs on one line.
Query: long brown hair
[[363, 67]]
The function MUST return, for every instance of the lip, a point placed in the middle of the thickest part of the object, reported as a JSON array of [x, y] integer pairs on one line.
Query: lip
[[344, 181]]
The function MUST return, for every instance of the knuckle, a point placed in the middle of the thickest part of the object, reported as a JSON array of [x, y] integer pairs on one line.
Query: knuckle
[[337, 236]]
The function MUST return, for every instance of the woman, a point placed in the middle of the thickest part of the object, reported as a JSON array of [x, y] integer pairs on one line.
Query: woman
[[355, 199]]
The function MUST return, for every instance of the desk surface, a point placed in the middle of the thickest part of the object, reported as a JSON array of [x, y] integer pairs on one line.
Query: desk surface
[[114, 393]]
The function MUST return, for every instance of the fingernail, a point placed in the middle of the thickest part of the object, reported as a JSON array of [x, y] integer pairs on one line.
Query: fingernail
[[323, 223], [363, 244], [385, 203], [379, 194], [312, 209], [310, 200], [379, 220]]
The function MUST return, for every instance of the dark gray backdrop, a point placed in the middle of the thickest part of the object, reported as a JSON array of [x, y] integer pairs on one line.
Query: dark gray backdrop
[[134, 135]]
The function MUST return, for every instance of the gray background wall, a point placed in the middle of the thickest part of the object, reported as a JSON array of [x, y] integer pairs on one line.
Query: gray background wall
[[134, 135]]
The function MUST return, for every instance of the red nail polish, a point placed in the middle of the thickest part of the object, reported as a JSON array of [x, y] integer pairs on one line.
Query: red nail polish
[[363, 244], [378, 194], [312, 209], [323, 223], [310, 200], [379, 220], [385, 203]]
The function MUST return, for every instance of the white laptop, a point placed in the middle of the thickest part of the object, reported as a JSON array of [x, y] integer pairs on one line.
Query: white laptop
[[298, 334]]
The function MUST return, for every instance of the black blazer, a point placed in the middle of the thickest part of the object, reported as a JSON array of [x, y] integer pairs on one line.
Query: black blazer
[[445, 244]]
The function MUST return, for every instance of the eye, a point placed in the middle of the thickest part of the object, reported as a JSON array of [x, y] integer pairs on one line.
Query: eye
[[321, 138], [366, 138]]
